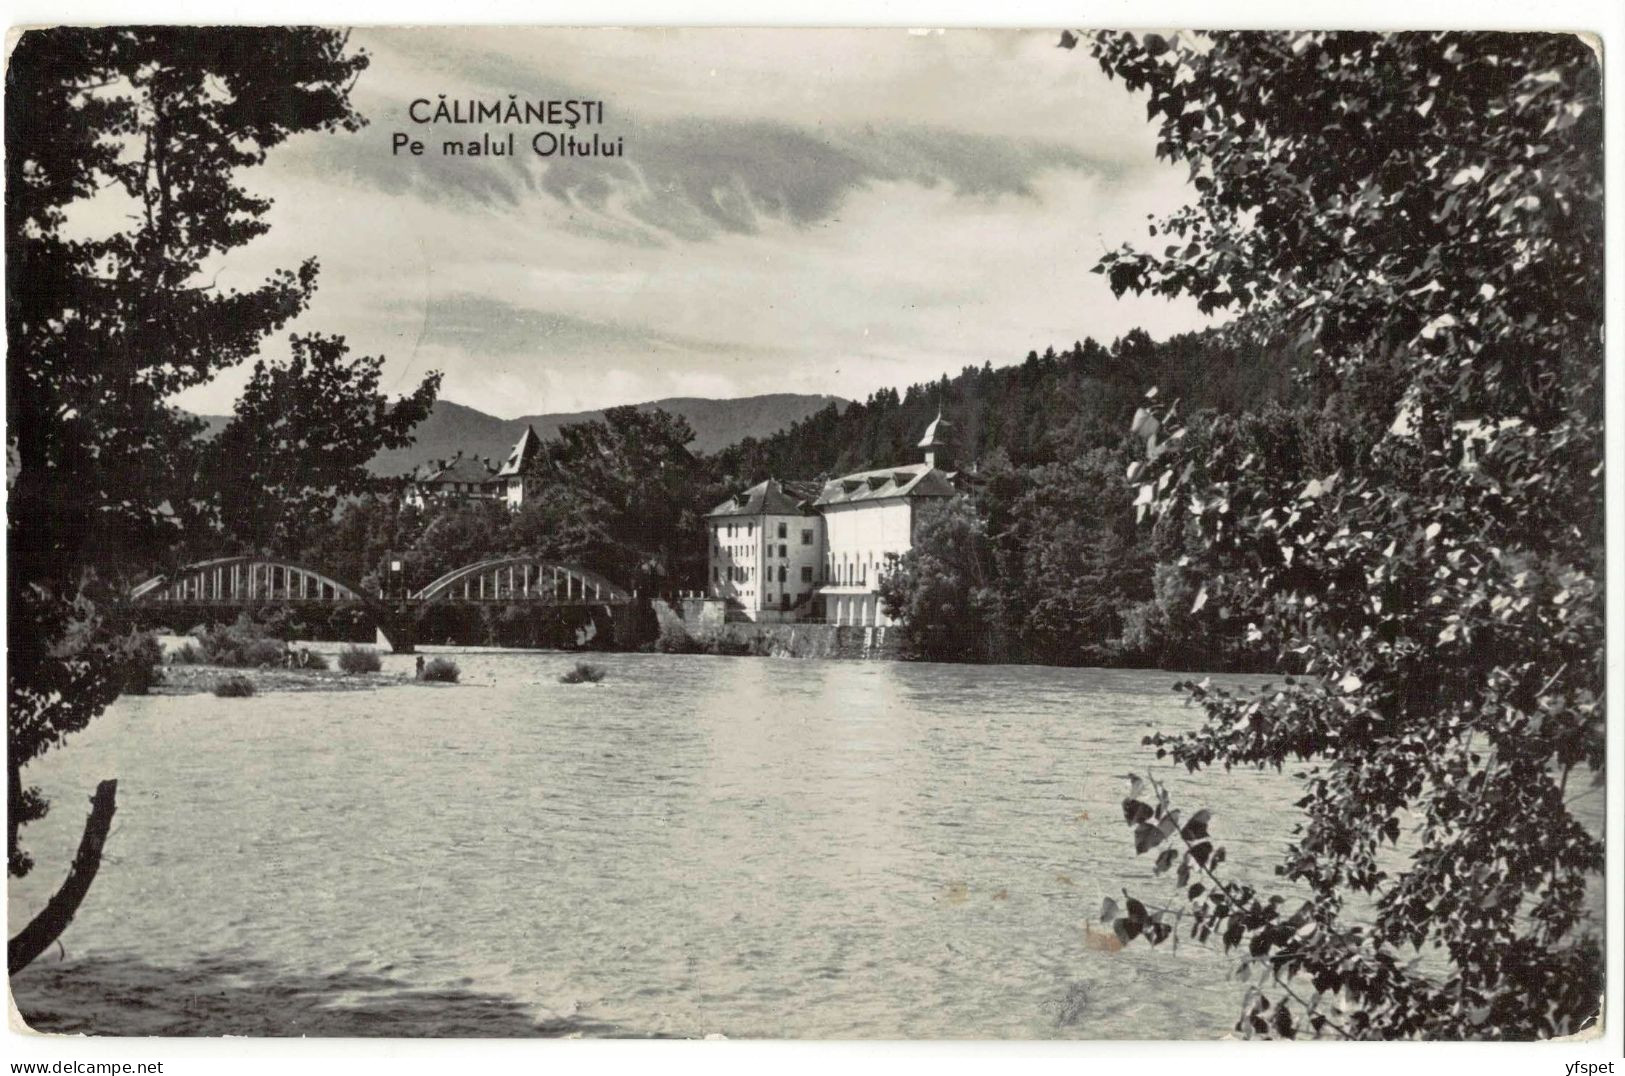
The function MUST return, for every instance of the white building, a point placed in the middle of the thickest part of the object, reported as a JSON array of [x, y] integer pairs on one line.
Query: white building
[[781, 551], [766, 546], [461, 478], [515, 477], [474, 478], [869, 518]]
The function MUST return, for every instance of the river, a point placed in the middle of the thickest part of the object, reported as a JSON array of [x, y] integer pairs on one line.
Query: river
[[694, 846]]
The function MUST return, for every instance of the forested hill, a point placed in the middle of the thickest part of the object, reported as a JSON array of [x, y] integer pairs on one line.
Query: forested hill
[[1051, 408]]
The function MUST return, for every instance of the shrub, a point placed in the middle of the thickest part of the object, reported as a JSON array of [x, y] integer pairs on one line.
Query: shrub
[[141, 655], [235, 686], [244, 643], [261, 653], [441, 671], [312, 660], [359, 659], [187, 655], [583, 673]]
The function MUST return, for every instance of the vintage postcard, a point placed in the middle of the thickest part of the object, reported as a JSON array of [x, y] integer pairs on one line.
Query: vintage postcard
[[805, 534]]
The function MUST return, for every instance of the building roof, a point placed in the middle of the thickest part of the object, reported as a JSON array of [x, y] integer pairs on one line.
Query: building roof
[[459, 469], [909, 480], [769, 498], [523, 450]]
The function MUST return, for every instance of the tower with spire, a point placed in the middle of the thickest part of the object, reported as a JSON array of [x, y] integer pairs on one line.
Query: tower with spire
[[513, 480], [937, 443]]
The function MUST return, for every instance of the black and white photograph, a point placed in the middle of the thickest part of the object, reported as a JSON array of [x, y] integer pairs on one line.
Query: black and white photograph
[[1047, 533]]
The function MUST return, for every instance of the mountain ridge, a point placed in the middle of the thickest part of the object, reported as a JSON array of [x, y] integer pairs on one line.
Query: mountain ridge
[[452, 427]]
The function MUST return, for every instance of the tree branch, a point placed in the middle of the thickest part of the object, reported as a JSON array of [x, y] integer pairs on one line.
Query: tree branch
[[49, 924]]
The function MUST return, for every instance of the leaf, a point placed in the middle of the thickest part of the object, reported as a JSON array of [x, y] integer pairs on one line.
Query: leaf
[[1201, 600], [1433, 328], [1146, 837], [1196, 826], [1135, 812]]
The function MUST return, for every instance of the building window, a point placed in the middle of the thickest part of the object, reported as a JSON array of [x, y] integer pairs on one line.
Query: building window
[[806, 573], [784, 530], [750, 530], [806, 536], [784, 551], [782, 573], [716, 575]]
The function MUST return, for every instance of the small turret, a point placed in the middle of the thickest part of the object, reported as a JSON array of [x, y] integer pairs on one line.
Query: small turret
[[937, 444]]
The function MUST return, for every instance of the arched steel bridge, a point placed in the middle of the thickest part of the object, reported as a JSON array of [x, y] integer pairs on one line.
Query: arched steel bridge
[[249, 579], [509, 579]]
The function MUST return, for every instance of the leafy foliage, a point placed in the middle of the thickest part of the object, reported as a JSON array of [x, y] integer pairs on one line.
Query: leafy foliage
[[152, 126], [300, 439], [940, 587], [1433, 557], [65, 661], [246, 643]]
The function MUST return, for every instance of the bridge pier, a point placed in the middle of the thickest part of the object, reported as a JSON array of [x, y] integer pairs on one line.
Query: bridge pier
[[632, 624], [398, 632]]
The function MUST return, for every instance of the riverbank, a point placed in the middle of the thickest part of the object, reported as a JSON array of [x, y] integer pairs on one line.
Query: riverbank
[[201, 679]]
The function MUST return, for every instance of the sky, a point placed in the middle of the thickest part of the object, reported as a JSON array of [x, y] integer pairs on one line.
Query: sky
[[812, 211]]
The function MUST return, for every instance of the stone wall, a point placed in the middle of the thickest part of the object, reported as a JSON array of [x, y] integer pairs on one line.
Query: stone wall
[[784, 640], [815, 640]]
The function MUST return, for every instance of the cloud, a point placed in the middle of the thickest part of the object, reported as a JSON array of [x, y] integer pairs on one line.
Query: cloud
[[490, 326], [694, 179], [797, 212], [688, 176]]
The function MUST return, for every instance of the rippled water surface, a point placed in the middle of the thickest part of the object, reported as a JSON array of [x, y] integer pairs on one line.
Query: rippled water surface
[[749, 847]]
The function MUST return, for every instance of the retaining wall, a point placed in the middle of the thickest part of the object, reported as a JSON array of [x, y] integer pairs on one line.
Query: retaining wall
[[786, 640]]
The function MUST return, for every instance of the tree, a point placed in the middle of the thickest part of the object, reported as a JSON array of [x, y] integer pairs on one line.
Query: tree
[[618, 497], [150, 126], [1068, 561], [1425, 212], [940, 590], [300, 440]]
